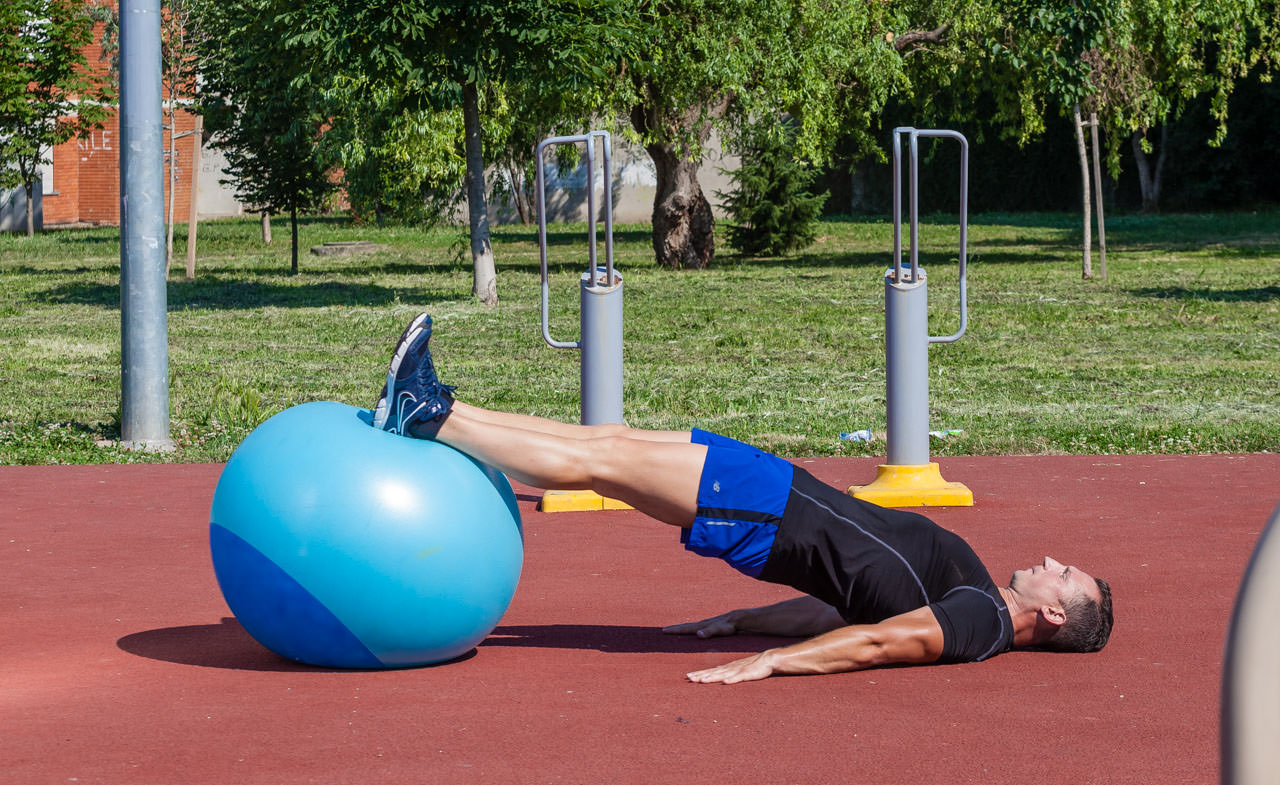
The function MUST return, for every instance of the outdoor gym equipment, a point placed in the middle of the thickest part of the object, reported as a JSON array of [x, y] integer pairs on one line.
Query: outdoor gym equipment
[[909, 478], [600, 314]]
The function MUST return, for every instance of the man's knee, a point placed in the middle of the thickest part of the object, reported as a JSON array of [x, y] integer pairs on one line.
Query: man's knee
[[608, 430]]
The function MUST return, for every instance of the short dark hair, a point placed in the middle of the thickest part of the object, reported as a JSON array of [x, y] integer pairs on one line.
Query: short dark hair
[[1088, 624]]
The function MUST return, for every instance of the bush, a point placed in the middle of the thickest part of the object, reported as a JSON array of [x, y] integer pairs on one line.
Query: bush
[[772, 209]]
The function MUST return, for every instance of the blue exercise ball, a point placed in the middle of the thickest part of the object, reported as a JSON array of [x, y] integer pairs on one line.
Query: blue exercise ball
[[340, 545]]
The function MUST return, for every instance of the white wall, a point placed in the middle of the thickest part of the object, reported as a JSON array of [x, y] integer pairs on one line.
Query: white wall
[[634, 186]]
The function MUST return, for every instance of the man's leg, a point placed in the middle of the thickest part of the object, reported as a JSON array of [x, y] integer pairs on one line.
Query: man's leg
[[527, 422], [659, 476]]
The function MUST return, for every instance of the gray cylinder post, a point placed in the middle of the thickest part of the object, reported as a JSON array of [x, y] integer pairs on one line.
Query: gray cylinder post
[[601, 314], [906, 348], [144, 363], [600, 293]]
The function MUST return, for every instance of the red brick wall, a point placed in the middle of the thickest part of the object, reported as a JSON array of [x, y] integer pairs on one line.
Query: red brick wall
[[86, 176], [86, 170]]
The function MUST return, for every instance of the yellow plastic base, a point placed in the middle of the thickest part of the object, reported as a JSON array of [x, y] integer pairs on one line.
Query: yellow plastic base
[[579, 501], [913, 486]]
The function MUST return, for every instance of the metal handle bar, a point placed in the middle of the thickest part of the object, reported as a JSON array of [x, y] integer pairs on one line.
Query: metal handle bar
[[915, 134], [589, 139]]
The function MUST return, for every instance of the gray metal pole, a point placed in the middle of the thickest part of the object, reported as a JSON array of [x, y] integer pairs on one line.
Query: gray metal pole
[[906, 350], [144, 371]]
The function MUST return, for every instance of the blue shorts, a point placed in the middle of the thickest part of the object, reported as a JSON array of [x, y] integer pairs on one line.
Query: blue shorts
[[741, 497]]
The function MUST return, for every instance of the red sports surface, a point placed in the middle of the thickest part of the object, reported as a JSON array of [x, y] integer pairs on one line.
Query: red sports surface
[[121, 663]]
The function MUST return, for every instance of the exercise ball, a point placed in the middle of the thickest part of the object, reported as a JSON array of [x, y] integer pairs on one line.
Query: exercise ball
[[340, 545]]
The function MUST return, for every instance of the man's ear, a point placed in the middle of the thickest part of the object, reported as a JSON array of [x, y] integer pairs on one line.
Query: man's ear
[[1053, 614]]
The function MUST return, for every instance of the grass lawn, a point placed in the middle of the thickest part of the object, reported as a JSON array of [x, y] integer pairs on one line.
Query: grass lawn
[[1178, 351]]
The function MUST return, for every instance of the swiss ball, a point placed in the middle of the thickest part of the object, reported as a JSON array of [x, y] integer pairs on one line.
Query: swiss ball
[[339, 545]]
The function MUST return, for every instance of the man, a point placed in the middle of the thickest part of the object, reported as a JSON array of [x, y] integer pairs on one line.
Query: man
[[882, 586]]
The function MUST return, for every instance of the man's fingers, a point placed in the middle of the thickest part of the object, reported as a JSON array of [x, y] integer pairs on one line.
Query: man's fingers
[[707, 628], [748, 669]]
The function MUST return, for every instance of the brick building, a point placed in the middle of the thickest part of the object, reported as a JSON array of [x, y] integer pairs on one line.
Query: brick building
[[82, 183]]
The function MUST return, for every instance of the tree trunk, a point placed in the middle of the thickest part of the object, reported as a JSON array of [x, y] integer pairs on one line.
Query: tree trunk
[[1087, 259], [171, 186], [1097, 189], [1148, 180], [484, 282], [266, 228], [519, 193], [293, 219], [683, 226], [1160, 157], [31, 208], [193, 209]]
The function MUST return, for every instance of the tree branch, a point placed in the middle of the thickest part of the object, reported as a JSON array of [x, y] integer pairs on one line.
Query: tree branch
[[916, 38]]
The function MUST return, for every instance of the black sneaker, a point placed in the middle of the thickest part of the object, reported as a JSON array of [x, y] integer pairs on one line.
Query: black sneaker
[[381, 411], [414, 394]]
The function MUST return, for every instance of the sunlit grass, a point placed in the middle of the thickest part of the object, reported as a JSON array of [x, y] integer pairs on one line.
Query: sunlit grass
[[1177, 351]]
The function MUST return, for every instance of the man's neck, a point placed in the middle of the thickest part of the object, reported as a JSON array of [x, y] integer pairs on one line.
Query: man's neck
[[1023, 617]]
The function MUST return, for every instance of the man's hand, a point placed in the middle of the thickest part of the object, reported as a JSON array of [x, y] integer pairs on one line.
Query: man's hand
[[753, 668], [724, 624], [799, 617]]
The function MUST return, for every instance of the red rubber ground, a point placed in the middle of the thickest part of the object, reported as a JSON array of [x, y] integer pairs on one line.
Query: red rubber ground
[[119, 662]]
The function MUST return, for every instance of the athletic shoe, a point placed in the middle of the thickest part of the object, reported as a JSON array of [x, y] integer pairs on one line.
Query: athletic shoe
[[415, 394], [381, 410]]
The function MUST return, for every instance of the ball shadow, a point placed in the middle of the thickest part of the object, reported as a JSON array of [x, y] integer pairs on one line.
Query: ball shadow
[[225, 645]]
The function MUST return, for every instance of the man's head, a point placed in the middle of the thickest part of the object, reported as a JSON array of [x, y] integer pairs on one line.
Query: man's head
[[1074, 607]]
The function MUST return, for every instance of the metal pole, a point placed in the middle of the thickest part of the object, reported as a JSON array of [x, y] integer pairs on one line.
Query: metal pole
[[144, 361]]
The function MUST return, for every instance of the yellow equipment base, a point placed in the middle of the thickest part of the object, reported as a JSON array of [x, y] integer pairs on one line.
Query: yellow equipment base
[[579, 501], [912, 486]]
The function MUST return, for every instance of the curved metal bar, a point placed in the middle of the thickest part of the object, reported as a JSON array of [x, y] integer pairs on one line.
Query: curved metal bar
[[607, 147], [897, 199], [964, 225], [541, 195]]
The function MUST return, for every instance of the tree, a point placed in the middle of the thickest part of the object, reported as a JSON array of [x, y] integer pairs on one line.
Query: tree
[[1189, 49], [1133, 63], [773, 210], [268, 126], [450, 55], [398, 164], [723, 64], [178, 77], [49, 92]]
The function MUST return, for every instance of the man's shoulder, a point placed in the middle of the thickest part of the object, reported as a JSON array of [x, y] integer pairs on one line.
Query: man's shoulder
[[975, 623]]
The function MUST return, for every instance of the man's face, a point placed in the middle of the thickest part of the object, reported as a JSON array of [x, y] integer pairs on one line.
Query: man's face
[[1052, 582]]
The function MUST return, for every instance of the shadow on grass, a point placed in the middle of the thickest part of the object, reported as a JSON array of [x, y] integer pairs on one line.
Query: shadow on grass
[[220, 293], [837, 259], [568, 236], [1258, 295]]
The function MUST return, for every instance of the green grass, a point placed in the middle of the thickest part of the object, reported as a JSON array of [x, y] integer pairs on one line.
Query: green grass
[[1178, 351]]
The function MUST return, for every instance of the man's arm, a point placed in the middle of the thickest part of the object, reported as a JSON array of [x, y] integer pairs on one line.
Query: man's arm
[[911, 638], [797, 618]]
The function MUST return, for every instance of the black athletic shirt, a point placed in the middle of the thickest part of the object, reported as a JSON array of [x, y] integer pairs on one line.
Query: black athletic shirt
[[872, 563]]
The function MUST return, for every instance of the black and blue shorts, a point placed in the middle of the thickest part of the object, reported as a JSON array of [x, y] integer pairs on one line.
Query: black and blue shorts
[[742, 495]]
